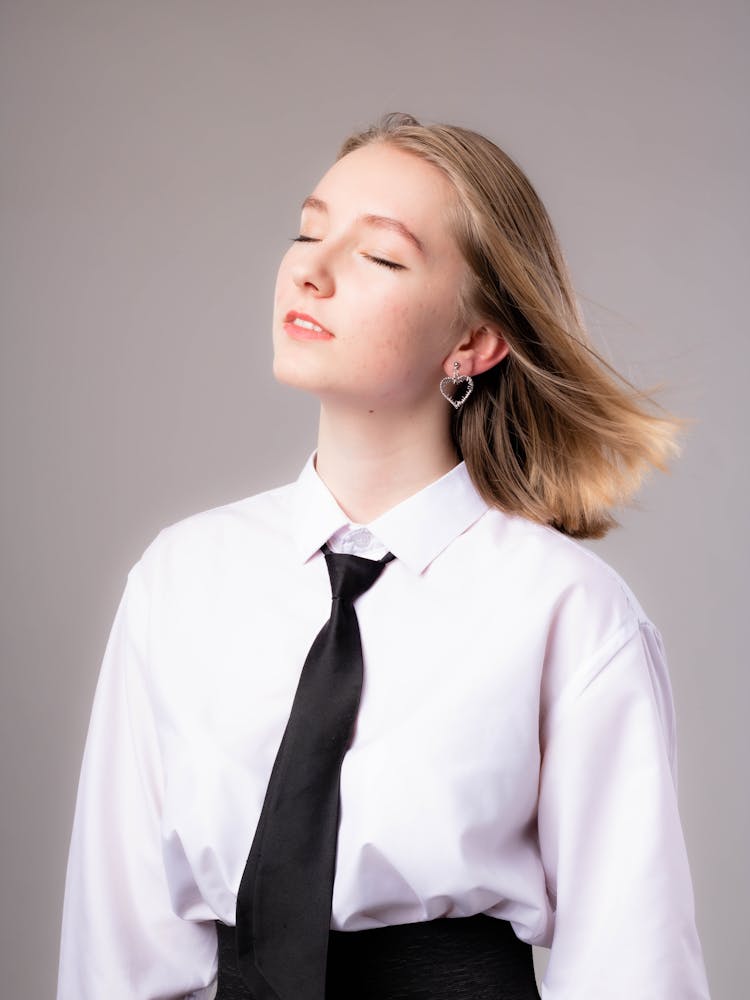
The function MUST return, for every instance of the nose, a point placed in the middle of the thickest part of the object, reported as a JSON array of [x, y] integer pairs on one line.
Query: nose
[[312, 272]]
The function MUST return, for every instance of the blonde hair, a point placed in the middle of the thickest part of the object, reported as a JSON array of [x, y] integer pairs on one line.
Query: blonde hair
[[552, 431]]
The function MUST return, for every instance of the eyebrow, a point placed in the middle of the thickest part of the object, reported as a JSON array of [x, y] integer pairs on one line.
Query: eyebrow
[[383, 221]]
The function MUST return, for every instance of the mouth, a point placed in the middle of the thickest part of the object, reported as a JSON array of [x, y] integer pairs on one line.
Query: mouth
[[303, 327]]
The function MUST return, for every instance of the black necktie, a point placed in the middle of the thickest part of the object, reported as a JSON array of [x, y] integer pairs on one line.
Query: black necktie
[[284, 899]]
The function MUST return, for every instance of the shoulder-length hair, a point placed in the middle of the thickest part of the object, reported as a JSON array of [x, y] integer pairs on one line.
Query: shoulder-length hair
[[551, 432]]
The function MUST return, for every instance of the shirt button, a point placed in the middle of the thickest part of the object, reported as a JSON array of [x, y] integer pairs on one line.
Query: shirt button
[[359, 540]]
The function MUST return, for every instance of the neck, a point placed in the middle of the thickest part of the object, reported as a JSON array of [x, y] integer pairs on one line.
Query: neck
[[370, 462]]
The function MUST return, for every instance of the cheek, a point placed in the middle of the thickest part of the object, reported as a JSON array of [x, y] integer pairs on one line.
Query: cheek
[[418, 328], [392, 329], [397, 344], [373, 319]]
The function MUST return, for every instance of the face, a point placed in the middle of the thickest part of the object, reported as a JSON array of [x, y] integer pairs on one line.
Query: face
[[385, 292]]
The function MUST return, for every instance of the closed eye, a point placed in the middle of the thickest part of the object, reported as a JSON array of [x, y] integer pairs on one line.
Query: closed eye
[[378, 260], [385, 263]]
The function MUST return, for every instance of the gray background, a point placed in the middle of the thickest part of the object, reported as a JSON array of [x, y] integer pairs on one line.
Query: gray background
[[153, 159]]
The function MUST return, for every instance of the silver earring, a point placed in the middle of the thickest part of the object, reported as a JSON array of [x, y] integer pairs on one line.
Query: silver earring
[[466, 382]]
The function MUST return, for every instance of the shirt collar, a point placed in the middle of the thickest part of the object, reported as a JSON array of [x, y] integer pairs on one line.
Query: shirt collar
[[416, 530]]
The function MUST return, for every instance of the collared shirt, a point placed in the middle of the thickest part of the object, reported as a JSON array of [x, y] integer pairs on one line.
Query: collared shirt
[[514, 753]]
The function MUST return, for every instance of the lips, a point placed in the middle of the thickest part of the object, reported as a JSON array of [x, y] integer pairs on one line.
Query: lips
[[299, 332]]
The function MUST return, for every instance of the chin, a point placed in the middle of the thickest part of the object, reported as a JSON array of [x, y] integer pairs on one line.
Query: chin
[[293, 374]]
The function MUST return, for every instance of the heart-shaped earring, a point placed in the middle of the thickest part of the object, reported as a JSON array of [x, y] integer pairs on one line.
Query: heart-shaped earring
[[466, 383]]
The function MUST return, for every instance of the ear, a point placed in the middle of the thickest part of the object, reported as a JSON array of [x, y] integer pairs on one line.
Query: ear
[[481, 349]]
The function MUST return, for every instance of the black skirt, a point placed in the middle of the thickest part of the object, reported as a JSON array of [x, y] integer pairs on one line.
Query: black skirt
[[461, 958]]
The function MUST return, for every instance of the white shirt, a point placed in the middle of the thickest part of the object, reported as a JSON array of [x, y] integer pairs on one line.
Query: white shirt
[[514, 754]]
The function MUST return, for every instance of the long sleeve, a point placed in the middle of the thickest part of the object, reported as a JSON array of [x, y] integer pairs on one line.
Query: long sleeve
[[610, 834], [121, 937]]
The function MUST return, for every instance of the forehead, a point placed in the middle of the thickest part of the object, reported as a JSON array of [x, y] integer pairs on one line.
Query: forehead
[[380, 179]]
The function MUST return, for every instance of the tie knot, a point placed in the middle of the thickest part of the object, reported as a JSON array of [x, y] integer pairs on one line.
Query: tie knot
[[352, 575]]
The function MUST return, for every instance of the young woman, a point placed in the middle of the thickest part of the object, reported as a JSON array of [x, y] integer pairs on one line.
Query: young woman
[[511, 775]]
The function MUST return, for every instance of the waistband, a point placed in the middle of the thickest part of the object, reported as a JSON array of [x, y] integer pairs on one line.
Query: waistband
[[450, 958]]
